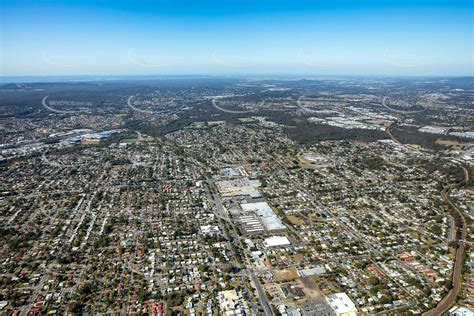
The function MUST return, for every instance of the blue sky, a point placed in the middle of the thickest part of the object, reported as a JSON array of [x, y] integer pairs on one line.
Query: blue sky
[[384, 37]]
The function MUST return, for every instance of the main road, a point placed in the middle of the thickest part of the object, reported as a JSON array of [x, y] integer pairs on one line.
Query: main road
[[449, 299], [384, 104], [234, 237]]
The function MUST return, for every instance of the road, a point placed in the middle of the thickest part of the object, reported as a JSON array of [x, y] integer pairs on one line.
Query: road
[[298, 103], [384, 104], [214, 103], [261, 294], [388, 130], [449, 299], [129, 103], [223, 215]]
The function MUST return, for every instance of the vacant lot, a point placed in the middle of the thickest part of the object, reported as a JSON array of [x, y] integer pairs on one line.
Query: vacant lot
[[295, 220], [449, 143], [286, 274], [310, 288]]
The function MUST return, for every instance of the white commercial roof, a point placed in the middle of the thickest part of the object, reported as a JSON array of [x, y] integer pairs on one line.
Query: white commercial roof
[[270, 220], [312, 271], [276, 241], [461, 311], [342, 304]]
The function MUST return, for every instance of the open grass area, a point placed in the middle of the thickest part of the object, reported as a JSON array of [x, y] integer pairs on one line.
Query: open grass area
[[129, 140], [450, 144]]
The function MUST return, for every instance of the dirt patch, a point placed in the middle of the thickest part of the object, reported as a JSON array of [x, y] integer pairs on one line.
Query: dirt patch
[[286, 274], [295, 220], [310, 288], [297, 258]]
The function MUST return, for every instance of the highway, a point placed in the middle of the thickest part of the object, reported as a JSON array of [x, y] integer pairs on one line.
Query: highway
[[298, 103], [214, 103], [384, 104], [388, 130], [129, 103]]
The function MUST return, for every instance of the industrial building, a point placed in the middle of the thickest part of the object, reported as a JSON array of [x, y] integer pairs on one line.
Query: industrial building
[[268, 217]]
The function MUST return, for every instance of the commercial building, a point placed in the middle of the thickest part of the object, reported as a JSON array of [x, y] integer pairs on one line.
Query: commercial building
[[317, 307], [239, 187], [249, 224], [276, 241], [341, 304], [269, 219], [313, 271]]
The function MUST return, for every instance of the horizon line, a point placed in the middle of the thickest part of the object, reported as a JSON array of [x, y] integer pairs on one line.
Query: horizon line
[[241, 75]]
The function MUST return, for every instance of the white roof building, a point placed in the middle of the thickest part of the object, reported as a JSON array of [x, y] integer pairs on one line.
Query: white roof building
[[210, 229], [342, 304], [276, 241], [270, 220], [461, 311]]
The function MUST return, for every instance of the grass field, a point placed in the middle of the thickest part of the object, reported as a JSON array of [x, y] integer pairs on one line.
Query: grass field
[[129, 140], [449, 143]]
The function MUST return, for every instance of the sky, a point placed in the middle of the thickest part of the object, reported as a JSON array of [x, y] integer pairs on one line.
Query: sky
[[336, 37]]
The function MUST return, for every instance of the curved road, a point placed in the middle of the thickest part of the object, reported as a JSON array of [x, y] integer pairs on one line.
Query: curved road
[[449, 299], [384, 104], [214, 103], [389, 132], [46, 106], [298, 103], [129, 103]]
